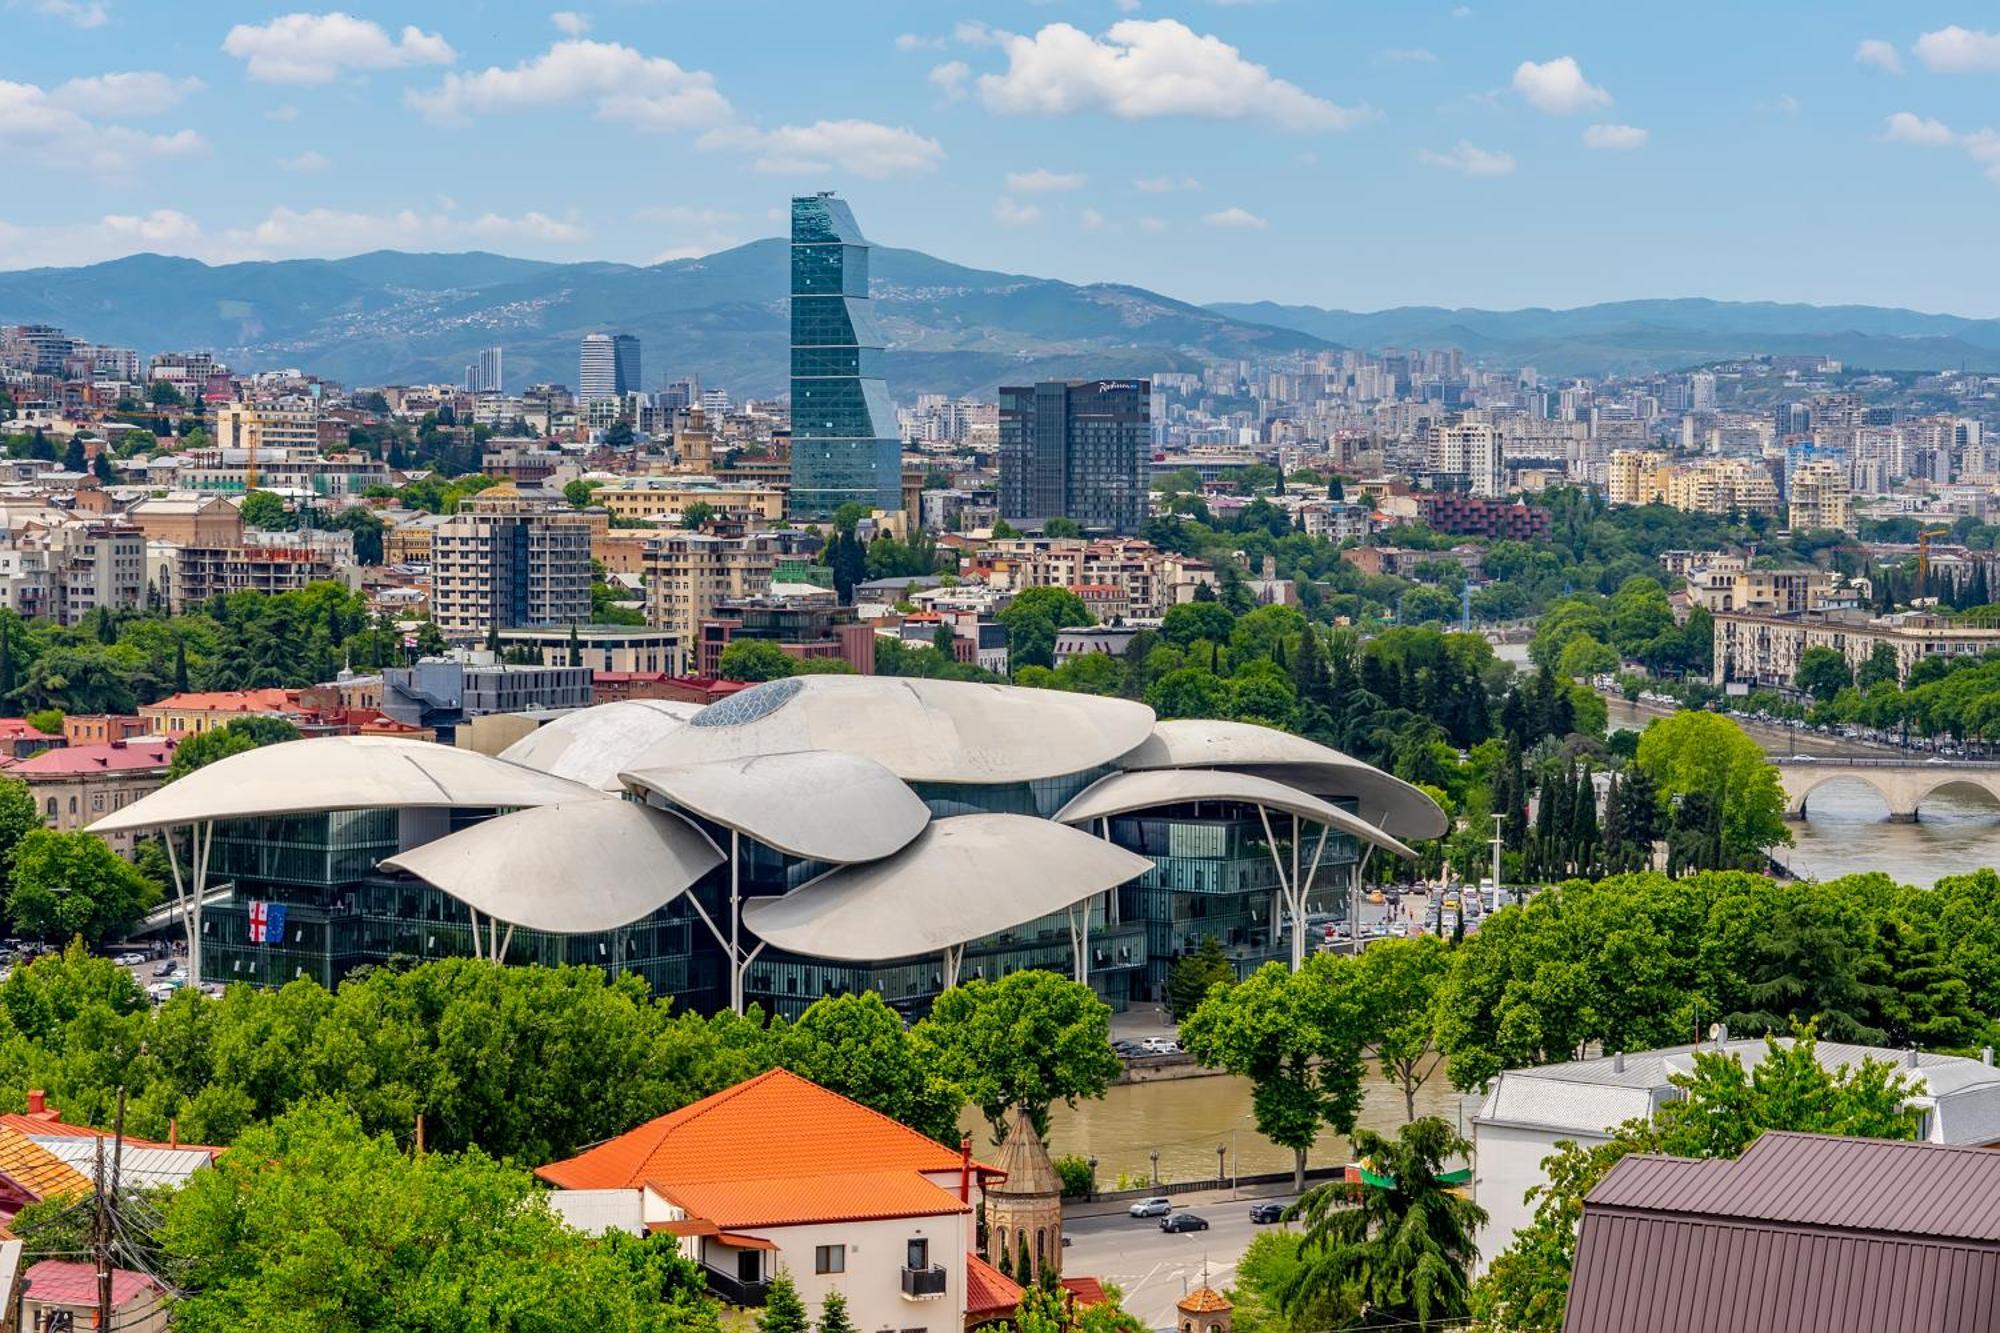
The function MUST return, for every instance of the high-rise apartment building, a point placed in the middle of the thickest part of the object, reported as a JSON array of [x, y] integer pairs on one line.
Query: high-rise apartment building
[[844, 441], [1820, 497], [267, 426], [507, 562], [625, 360], [1633, 477], [607, 366], [483, 375], [1077, 449], [1465, 456], [688, 574]]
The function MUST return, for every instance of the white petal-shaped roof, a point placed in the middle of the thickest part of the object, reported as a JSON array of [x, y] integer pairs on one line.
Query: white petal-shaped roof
[[341, 773], [1384, 799], [1122, 793], [570, 868], [962, 879], [920, 730], [823, 805], [591, 745]]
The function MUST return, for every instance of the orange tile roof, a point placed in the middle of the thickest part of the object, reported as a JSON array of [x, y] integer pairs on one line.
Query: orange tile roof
[[267, 700], [1202, 1300], [988, 1291], [776, 1149], [36, 1169]]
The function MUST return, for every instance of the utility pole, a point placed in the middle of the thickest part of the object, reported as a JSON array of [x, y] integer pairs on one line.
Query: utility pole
[[1498, 823]]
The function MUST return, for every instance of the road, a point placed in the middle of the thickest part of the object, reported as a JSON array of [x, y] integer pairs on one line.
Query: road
[[1155, 1268], [1776, 738]]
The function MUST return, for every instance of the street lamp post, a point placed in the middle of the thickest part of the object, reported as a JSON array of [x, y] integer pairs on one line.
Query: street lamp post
[[1156, 1168]]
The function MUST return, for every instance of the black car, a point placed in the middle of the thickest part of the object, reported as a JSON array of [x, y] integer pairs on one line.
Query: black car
[[1183, 1222], [1267, 1212]]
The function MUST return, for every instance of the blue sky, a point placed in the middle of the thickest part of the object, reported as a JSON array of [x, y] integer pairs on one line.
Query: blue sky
[[1321, 151]]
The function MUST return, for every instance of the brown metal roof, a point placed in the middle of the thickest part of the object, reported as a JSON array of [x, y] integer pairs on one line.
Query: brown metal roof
[[1802, 1234]]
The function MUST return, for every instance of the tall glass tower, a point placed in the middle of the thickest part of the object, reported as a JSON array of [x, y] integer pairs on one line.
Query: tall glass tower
[[844, 442]]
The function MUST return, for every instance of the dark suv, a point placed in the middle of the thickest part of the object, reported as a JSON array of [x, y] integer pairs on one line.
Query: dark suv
[[1267, 1212]]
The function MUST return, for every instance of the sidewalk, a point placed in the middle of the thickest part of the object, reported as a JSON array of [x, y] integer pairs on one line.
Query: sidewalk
[[1185, 1199]]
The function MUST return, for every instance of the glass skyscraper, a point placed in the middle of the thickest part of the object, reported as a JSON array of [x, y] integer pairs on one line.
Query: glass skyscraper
[[844, 442], [1076, 449]]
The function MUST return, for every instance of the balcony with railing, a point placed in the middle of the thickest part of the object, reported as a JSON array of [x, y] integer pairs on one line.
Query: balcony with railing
[[746, 1293], [923, 1284]]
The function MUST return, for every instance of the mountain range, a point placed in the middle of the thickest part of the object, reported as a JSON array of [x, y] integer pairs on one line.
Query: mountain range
[[392, 317]]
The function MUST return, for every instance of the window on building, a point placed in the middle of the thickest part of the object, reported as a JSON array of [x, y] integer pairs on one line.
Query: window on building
[[918, 1253], [829, 1259], [72, 805], [51, 807], [1041, 1242]]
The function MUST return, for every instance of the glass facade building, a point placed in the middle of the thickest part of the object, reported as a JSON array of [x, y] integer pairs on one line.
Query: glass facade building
[[1077, 449], [844, 442]]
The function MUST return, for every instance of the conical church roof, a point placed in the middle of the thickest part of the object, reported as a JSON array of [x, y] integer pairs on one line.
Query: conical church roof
[[1025, 1160]]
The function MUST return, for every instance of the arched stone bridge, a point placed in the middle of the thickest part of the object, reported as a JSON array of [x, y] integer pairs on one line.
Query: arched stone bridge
[[1904, 784]]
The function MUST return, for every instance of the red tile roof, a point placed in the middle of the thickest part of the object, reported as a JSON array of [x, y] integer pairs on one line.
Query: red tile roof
[[37, 1170], [59, 1282], [19, 728], [226, 701], [988, 1291], [773, 1150], [97, 757]]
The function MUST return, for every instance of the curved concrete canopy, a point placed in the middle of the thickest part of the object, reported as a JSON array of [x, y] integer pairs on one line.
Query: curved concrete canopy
[[591, 745], [1385, 800], [962, 879], [569, 869], [920, 730], [341, 773], [823, 805], [1122, 793]]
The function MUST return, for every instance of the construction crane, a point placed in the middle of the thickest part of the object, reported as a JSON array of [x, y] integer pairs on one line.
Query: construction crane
[[1924, 555], [253, 433]]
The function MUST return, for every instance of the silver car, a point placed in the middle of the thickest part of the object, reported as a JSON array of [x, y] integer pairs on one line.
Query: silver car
[[1151, 1208]]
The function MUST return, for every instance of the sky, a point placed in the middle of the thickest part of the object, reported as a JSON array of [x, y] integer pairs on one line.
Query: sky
[[1496, 153]]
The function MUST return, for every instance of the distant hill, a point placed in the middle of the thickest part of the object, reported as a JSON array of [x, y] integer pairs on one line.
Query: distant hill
[[390, 317], [1637, 336]]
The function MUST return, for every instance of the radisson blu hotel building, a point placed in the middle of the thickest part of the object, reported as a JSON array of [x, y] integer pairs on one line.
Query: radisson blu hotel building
[[803, 837]]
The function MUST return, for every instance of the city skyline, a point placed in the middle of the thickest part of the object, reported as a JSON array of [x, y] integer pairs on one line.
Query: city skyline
[[1453, 156]]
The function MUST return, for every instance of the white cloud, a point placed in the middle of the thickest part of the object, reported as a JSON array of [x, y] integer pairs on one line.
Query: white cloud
[[858, 146], [950, 78], [1984, 146], [1091, 220], [1615, 138], [650, 92], [308, 161], [1956, 50], [1155, 225], [1008, 213], [570, 23], [1874, 51], [1238, 218], [136, 94], [1143, 68], [81, 13], [163, 227], [1908, 127], [1041, 181], [319, 48], [910, 41], [1407, 55], [41, 130], [1557, 86], [1165, 184], [1469, 160], [325, 231]]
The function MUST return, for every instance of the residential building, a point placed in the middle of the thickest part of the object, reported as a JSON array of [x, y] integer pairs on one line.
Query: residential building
[[261, 426], [805, 630], [445, 694], [68, 569], [96, 728], [1475, 516], [1722, 486], [20, 738], [507, 561], [188, 520], [77, 785], [602, 648], [1754, 650], [1080, 641], [778, 1175], [184, 577], [1804, 1233], [608, 367], [844, 442], [637, 498], [1727, 583], [65, 1294], [1465, 456], [1526, 1112], [689, 574], [30, 1173], [484, 375], [1820, 498], [1076, 449], [179, 716], [1634, 477]]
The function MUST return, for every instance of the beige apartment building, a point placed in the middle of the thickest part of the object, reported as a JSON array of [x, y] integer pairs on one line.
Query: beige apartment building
[[637, 498], [1763, 650], [266, 426], [1707, 486], [1632, 477], [1727, 583], [689, 573], [1821, 498], [508, 561]]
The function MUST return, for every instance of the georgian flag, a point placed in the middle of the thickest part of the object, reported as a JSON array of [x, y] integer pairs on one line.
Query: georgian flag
[[267, 923]]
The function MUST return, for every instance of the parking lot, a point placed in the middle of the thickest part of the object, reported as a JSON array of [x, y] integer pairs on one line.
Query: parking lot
[[157, 976]]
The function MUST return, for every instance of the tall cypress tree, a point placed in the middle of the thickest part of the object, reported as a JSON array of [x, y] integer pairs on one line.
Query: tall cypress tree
[[180, 665]]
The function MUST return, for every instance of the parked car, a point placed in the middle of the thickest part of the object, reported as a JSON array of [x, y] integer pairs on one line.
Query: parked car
[[1158, 1207], [167, 968], [1267, 1212], [130, 959], [1159, 1046], [1183, 1222]]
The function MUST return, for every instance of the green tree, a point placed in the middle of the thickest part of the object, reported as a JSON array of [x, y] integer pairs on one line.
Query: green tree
[[1401, 1259], [856, 1045], [697, 514], [1062, 527], [1298, 1038], [234, 737], [783, 1311], [756, 660], [1400, 982], [1697, 751], [1188, 692], [1033, 618], [264, 511], [579, 492], [1585, 656], [1879, 668], [1822, 673], [1192, 976], [425, 1241], [1030, 1040], [64, 884], [833, 1316], [1191, 622]]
